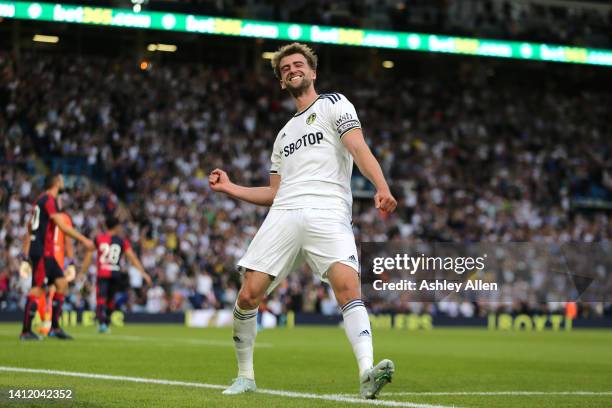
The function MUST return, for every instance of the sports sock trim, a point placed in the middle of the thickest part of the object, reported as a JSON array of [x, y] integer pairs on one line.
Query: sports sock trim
[[352, 304]]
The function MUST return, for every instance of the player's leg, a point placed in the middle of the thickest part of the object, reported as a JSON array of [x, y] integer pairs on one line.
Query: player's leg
[[31, 308], [102, 290], [330, 250], [253, 289], [61, 285], [44, 310], [110, 308], [270, 257], [344, 280], [38, 280], [113, 288], [55, 276], [345, 283], [41, 306]]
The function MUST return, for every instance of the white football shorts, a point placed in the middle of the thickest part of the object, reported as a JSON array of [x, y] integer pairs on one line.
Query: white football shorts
[[287, 238]]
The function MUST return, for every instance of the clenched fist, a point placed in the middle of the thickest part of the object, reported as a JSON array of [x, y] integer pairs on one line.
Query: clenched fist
[[218, 180], [385, 201]]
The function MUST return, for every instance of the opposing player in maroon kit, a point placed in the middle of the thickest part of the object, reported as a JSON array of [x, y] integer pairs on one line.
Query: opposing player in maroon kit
[[40, 249], [110, 247]]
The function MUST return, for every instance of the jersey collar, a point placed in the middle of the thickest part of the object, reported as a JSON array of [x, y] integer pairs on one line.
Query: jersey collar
[[308, 107]]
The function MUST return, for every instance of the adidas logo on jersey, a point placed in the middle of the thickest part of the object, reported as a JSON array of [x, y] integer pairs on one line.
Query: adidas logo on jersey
[[352, 258], [365, 333], [237, 339]]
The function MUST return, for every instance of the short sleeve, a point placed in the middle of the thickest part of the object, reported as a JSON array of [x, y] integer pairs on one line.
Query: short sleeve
[[342, 114], [50, 205], [275, 158], [126, 245]]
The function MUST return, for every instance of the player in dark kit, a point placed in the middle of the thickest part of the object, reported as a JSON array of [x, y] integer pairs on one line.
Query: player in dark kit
[[39, 246], [110, 248]]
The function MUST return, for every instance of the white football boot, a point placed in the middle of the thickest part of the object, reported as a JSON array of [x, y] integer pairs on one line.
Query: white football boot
[[241, 385], [374, 379]]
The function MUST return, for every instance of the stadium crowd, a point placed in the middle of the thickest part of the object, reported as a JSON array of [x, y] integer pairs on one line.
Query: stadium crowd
[[470, 156], [501, 19], [573, 23]]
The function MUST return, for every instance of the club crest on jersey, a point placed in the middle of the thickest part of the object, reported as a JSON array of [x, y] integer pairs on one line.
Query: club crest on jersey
[[311, 118]]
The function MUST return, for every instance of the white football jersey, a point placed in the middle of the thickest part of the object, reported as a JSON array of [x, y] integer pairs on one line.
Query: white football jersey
[[308, 153]]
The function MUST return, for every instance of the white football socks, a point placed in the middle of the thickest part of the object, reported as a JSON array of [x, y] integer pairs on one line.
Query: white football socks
[[245, 330], [359, 333]]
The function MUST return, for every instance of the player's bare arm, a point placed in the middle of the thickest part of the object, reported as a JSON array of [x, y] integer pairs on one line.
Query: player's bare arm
[[27, 238], [25, 269], [369, 167], [136, 262], [70, 272], [69, 242], [86, 263], [67, 229], [219, 181]]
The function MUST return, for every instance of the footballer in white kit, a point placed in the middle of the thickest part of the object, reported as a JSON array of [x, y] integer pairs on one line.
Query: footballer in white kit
[[309, 220]]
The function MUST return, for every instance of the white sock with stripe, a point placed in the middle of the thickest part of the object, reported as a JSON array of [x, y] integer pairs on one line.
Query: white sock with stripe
[[245, 330], [359, 333]]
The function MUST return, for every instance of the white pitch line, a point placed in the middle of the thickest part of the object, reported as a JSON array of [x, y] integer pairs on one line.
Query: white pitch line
[[501, 393], [290, 394]]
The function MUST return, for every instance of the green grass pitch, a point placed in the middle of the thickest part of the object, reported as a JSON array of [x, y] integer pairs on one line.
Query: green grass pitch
[[556, 369]]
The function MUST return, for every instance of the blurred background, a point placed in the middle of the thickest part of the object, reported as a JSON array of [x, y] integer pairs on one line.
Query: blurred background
[[475, 149]]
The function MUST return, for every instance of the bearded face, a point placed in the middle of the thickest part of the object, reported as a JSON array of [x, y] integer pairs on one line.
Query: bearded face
[[296, 75], [298, 85]]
